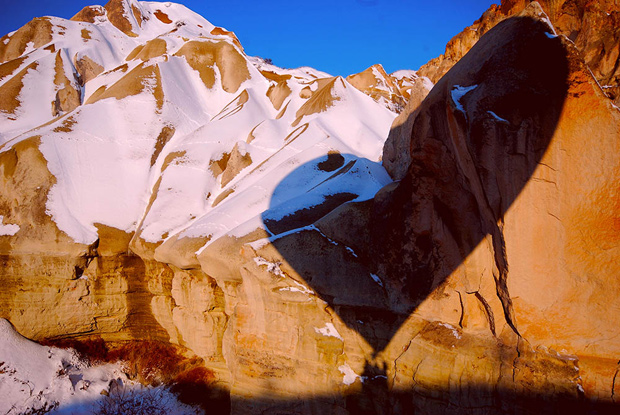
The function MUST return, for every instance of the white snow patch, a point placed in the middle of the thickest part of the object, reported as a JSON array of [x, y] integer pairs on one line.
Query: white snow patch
[[459, 92], [330, 331], [300, 288], [292, 289], [34, 377], [29, 48], [349, 374], [404, 73], [497, 117], [451, 327], [376, 279], [272, 267], [7, 229], [545, 19]]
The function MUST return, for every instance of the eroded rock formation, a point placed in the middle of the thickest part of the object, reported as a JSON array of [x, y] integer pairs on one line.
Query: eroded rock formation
[[593, 26], [244, 230]]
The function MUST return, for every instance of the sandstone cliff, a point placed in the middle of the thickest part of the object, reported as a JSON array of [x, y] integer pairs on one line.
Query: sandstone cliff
[[239, 211], [593, 26]]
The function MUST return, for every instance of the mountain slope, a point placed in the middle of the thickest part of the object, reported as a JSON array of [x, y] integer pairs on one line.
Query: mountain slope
[[138, 126]]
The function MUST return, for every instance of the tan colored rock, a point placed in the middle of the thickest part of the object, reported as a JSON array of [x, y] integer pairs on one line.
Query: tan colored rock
[[482, 240], [198, 314], [237, 161], [279, 90], [119, 13], [88, 14], [591, 25], [87, 68], [133, 83], [162, 17], [378, 85], [223, 32], [9, 68], [151, 49], [395, 157], [321, 99], [201, 56], [68, 97], [38, 31], [521, 240], [10, 90]]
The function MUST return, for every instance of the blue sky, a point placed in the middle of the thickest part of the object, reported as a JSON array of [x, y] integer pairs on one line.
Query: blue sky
[[336, 36]]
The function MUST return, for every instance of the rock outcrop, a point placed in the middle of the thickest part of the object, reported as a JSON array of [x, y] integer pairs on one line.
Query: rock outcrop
[[593, 26]]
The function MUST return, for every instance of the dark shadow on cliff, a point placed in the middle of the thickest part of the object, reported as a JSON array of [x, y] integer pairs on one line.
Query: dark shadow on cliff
[[476, 400], [476, 140], [490, 401]]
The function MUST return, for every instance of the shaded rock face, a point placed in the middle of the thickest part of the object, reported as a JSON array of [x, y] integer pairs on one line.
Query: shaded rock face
[[593, 26], [476, 243], [469, 163]]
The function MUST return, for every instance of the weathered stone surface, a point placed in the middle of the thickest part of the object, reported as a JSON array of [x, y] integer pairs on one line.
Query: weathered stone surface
[[486, 266], [591, 25], [396, 158]]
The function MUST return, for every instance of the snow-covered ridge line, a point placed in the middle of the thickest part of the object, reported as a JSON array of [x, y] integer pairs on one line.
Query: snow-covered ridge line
[[163, 126]]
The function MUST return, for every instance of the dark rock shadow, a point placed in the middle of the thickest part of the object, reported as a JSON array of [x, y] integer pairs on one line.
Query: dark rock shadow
[[476, 140]]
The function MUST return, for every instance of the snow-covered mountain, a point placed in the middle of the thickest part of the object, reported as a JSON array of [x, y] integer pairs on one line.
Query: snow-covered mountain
[[153, 120], [135, 136]]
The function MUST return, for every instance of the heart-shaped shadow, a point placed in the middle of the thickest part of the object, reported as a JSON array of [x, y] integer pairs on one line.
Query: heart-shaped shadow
[[476, 140]]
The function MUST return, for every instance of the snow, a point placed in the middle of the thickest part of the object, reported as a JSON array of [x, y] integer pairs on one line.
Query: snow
[[109, 167], [272, 267], [376, 279], [329, 331], [299, 288], [404, 73], [459, 92], [349, 375], [7, 229], [452, 328], [545, 19], [497, 117], [33, 377], [550, 35]]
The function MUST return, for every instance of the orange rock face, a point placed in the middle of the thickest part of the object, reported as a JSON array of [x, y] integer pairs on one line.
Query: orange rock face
[[593, 26], [505, 222]]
